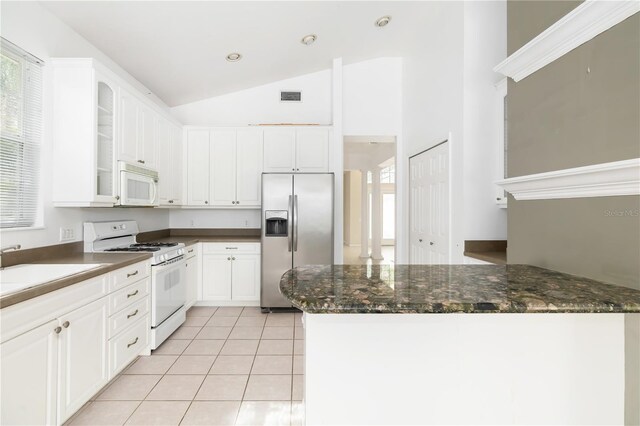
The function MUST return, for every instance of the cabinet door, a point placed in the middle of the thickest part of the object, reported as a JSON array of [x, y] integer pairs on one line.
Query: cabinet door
[[249, 167], [28, 375], [216, 277], [175, 164], [192, 266], [128, 141], [223, 168], [312, 150], [148, 136], [246, 277], [84, 355], [165, 169], [198, 167], [279, 150]]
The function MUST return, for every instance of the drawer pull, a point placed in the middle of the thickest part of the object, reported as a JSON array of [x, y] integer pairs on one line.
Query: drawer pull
[[190, 251], [66, 324], [133, 314], [132, 343], [132, 274], [132, 294]]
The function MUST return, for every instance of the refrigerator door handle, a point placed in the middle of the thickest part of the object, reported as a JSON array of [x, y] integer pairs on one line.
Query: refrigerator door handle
[[295, 223], [289, 231]]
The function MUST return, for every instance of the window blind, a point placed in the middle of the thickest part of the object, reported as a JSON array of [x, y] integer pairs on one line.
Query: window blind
[[20, 134]]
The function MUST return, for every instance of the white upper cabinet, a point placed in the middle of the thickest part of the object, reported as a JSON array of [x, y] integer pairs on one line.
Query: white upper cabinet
[[165, 184], [222, 177], [176, 164], [248, 167], [224, 167], [84, 134], [198, 167], [280, 150], [312, 150], [296, 150], [147, 137], [128, 142], [138, 133]]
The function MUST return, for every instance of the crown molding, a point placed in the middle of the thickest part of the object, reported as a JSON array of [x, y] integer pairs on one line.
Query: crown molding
[[583, 23], [598, 180]]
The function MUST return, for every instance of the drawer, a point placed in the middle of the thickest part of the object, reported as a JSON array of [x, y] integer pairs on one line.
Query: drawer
[[128, 296], [191, 251], [230, 247], [128, 275], [128, 316], [126, 346]]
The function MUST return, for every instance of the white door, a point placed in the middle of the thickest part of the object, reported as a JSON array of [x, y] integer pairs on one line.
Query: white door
[[279, 150], [84, 356], [28, 377], [216, 277], [176, 165], [192, 280], [222, 173], [165, 163], [198, 167], [429, 206], [246, 277], [148, 122], [249, 167], [128, 140], [312, 150]]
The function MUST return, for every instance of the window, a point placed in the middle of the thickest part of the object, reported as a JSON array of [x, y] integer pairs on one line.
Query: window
[[20, 130], [388, 174]]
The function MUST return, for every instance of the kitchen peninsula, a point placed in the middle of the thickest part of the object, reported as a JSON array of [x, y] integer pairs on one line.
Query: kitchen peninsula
[[512, 344]]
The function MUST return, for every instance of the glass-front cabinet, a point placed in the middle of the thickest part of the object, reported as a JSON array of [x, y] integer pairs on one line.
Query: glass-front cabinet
[[84, 131]]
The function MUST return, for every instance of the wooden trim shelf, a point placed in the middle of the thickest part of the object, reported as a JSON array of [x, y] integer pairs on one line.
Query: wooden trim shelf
[[583, 23], [598, 180]]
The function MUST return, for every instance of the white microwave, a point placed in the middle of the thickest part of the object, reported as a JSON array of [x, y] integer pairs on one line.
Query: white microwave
[[138, 185]]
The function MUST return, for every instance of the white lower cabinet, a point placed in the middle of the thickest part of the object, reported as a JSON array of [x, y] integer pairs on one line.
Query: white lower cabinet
[[83, 356], [193, 273], [56, 351], [231, 273], [28, 376]]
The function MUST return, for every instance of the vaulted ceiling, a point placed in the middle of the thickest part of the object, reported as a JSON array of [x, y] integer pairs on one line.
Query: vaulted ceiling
[[177, 48]]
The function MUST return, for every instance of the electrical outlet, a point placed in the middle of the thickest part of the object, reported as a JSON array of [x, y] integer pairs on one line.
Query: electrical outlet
[[67, 234]]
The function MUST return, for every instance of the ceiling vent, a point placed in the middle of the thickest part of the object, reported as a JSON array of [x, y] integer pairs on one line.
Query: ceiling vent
[[290, 96]]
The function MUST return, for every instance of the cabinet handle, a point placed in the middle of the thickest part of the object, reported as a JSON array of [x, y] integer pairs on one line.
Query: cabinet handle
[[498, 199], [66, 324], [132, 343], [431, 243], [206, 202], [132, 274], [420, 240], [57, 330], [233, 258], [190, 251], [297, 170], [293, 169], [141, 161], [117, 197], [133, 314], [228, 258], [132, 294], [170, 201], [237, 202]]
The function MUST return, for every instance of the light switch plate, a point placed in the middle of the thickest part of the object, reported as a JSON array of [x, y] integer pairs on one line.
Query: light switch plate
[[67, 234]]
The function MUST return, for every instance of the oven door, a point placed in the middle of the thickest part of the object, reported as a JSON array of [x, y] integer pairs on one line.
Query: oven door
[[168, 289], [138, 190]]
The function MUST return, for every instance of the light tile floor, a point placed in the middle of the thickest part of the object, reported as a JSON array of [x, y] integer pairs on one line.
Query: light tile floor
[[224, 366]]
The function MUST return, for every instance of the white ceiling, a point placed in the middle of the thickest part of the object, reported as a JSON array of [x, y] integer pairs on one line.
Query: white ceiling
[[177, 48]]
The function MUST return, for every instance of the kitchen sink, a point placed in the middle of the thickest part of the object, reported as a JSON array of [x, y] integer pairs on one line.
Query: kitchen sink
[[20, 277]]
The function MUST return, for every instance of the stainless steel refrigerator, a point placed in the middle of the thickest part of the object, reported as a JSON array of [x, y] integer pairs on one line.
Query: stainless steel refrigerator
[[297, 228]]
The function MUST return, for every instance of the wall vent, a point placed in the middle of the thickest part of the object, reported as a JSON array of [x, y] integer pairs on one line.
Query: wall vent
[[290, 96]]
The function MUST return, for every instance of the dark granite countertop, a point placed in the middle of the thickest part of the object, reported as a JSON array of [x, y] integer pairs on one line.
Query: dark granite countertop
[[451, 289], [108, 262]]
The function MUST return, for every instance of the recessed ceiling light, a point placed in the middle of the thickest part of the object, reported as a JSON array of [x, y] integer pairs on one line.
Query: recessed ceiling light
[[309, 39], [234, 57], [382, 22]]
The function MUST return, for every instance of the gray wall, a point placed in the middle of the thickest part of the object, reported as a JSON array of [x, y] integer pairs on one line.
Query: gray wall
[[582, 109]]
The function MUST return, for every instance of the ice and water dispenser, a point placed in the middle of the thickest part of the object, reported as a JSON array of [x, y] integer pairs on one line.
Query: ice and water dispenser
[[276, 223]]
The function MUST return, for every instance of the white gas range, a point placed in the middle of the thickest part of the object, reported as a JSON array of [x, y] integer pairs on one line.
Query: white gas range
[[168, 271]]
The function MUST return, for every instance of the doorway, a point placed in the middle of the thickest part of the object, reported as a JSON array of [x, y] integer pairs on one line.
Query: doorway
[[429, 206], [369, 200]]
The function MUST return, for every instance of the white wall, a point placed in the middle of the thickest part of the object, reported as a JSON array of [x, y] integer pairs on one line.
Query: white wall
[[37, 31], [485, 45], [433, 109], [262, 104], [372, 97], [199, 218]]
